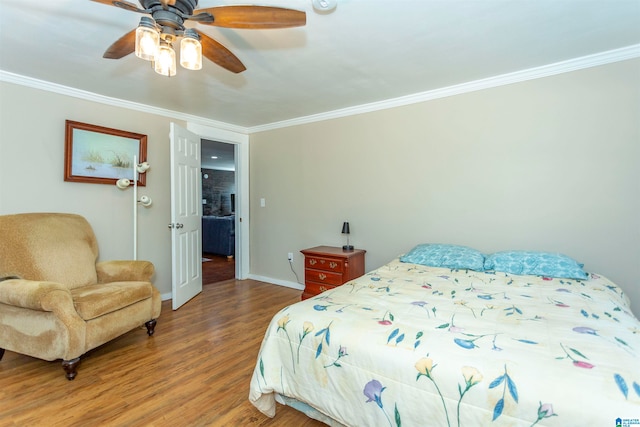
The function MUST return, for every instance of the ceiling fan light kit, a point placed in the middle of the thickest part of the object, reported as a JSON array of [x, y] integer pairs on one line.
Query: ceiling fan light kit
[[156, 46], [153, 39]]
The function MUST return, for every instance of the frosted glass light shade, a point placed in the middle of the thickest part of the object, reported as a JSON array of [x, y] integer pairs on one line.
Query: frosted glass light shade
[[145, 201], [143, 167], [190, 51], [123, 183], [147, 39], [165, 62]]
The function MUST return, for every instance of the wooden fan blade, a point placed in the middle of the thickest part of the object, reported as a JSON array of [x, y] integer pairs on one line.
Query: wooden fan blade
[[122, 47], [254, 17], [219, 54], [122, 4]]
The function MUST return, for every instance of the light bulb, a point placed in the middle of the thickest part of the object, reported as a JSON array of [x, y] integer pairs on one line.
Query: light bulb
[[147, 39], [165, 62], [190, 51]]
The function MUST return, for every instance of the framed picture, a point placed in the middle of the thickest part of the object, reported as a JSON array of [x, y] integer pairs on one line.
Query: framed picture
[[101, 155]]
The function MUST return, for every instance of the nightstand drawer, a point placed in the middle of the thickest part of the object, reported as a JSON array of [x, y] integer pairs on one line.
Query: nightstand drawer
[[312, 289], [321, 276], [327, 264]]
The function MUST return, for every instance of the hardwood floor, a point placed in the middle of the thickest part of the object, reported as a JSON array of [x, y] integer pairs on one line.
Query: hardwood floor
[[217, 268], [194, 371]]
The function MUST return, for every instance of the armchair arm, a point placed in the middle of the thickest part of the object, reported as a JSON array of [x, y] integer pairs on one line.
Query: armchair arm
[[46, 297], [124, 271], [35, 295]]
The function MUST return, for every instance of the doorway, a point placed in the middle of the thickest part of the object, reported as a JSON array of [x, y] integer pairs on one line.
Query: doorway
[[218, 170], [240, 140]]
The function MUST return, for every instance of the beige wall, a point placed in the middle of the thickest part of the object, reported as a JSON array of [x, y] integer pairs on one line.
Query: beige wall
[[32, 126], [550, 164]]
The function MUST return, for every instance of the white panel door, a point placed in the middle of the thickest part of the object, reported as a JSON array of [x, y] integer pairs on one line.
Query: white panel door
[[186, 211]]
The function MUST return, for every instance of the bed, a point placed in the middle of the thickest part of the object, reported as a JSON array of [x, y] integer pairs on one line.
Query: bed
[[439, 345]]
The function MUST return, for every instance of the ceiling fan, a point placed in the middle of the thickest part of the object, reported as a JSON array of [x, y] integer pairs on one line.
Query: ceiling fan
[[167, 24]]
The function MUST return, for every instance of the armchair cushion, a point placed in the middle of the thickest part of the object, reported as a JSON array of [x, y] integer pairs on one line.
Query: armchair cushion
[[96, 300]]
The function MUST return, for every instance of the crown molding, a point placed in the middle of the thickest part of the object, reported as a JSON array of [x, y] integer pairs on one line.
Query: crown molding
[[602, 58], [115, 102]]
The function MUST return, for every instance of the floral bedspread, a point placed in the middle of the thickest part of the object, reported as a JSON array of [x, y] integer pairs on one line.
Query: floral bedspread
[[421, 346]]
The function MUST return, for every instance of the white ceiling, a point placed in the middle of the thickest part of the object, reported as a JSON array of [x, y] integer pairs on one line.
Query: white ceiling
[[217, 155], [365, 51]]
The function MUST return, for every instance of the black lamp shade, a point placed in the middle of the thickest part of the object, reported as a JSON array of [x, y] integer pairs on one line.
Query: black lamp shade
[[345, 230]]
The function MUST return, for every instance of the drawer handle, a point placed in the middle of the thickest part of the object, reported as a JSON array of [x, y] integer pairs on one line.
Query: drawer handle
[[333, 264], [322, 288], [322, 276], [312, 261]]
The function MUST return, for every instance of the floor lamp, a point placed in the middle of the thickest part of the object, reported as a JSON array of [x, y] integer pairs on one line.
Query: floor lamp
[[123, 184]]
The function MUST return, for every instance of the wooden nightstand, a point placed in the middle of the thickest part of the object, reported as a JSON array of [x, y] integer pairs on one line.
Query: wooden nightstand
[[326, 267]]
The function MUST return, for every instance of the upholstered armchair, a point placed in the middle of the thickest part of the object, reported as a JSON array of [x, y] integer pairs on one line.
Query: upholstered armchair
[[56, 302]]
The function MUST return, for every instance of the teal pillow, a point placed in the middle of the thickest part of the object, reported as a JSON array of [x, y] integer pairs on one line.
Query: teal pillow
[[447, 256], [535, 263]]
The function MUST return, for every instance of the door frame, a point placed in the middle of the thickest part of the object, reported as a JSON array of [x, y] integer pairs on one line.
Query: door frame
[[241, 142]]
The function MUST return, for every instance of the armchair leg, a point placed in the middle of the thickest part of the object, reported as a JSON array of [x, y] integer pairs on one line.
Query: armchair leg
[[70, 367], [151, 326], [1, 353]]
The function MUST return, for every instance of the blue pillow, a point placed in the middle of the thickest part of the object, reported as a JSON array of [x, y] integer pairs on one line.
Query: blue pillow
[[535, 263], [448, 256]]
